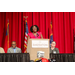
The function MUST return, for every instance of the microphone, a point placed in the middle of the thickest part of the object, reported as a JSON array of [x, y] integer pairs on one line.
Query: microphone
[[37, 34]]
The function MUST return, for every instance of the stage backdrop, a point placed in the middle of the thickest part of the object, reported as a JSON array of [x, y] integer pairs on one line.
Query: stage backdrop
[[63, 27]]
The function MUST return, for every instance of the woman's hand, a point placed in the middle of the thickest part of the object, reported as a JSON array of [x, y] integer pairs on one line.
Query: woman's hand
[[41, 36]]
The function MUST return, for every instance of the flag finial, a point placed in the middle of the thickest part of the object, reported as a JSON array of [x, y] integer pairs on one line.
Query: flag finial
[[51, 22], [8, 20], [25, 17]]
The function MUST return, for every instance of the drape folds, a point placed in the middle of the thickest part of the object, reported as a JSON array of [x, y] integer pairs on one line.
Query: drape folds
[[62, 22]]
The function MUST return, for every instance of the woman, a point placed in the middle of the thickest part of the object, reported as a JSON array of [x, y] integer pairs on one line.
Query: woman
[[53, 49], [35, 34]]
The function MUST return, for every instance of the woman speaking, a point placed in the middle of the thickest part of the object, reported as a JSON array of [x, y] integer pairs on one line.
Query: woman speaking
[[34, 33]]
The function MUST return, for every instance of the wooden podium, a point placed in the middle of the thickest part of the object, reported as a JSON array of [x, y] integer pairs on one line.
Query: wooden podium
[[35, 45]]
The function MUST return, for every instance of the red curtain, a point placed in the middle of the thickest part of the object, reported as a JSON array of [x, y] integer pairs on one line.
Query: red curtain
[[63, 27]]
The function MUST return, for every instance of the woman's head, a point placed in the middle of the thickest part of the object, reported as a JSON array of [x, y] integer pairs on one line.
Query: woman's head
[[34, 28], [53, 44]]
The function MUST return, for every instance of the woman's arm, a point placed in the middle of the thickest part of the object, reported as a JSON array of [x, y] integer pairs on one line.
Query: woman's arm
[[41, 36], [57, 50]]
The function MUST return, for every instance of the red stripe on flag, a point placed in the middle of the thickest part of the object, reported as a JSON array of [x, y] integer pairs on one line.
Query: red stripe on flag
[[25, 43]]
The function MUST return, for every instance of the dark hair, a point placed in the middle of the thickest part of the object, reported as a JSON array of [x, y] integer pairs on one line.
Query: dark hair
[[13, 41], [53, 41], [31, 29]]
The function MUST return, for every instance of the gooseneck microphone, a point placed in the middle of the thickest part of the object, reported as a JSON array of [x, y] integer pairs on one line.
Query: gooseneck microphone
[[37, 34]]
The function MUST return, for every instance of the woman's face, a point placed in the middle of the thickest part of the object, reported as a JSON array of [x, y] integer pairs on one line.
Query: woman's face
[[53, 44], [34, 29]]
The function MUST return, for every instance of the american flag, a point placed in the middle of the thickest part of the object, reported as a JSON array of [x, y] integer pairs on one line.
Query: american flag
[[26, 34]]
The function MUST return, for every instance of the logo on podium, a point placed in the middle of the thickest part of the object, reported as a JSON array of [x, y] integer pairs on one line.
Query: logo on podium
[[40, 54], [39, 43]]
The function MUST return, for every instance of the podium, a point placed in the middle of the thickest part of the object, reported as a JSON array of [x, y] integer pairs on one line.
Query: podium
[[35, 45]]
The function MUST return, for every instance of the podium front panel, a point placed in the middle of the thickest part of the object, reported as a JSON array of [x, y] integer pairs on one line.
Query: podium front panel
[[35, 45]]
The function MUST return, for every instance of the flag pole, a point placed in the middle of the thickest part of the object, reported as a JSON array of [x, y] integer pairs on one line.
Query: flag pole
[[25, 48]]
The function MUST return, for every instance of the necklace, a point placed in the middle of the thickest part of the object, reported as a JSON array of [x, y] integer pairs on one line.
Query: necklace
[[35, 35]]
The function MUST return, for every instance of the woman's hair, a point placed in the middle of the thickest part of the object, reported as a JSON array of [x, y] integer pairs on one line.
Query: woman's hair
[[31, 29], [53, 41]]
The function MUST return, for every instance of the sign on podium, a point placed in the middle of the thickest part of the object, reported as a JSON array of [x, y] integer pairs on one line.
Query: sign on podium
[[35, 45]]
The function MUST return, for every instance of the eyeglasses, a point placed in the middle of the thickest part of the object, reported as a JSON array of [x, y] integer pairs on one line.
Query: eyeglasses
[[13, 44]]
